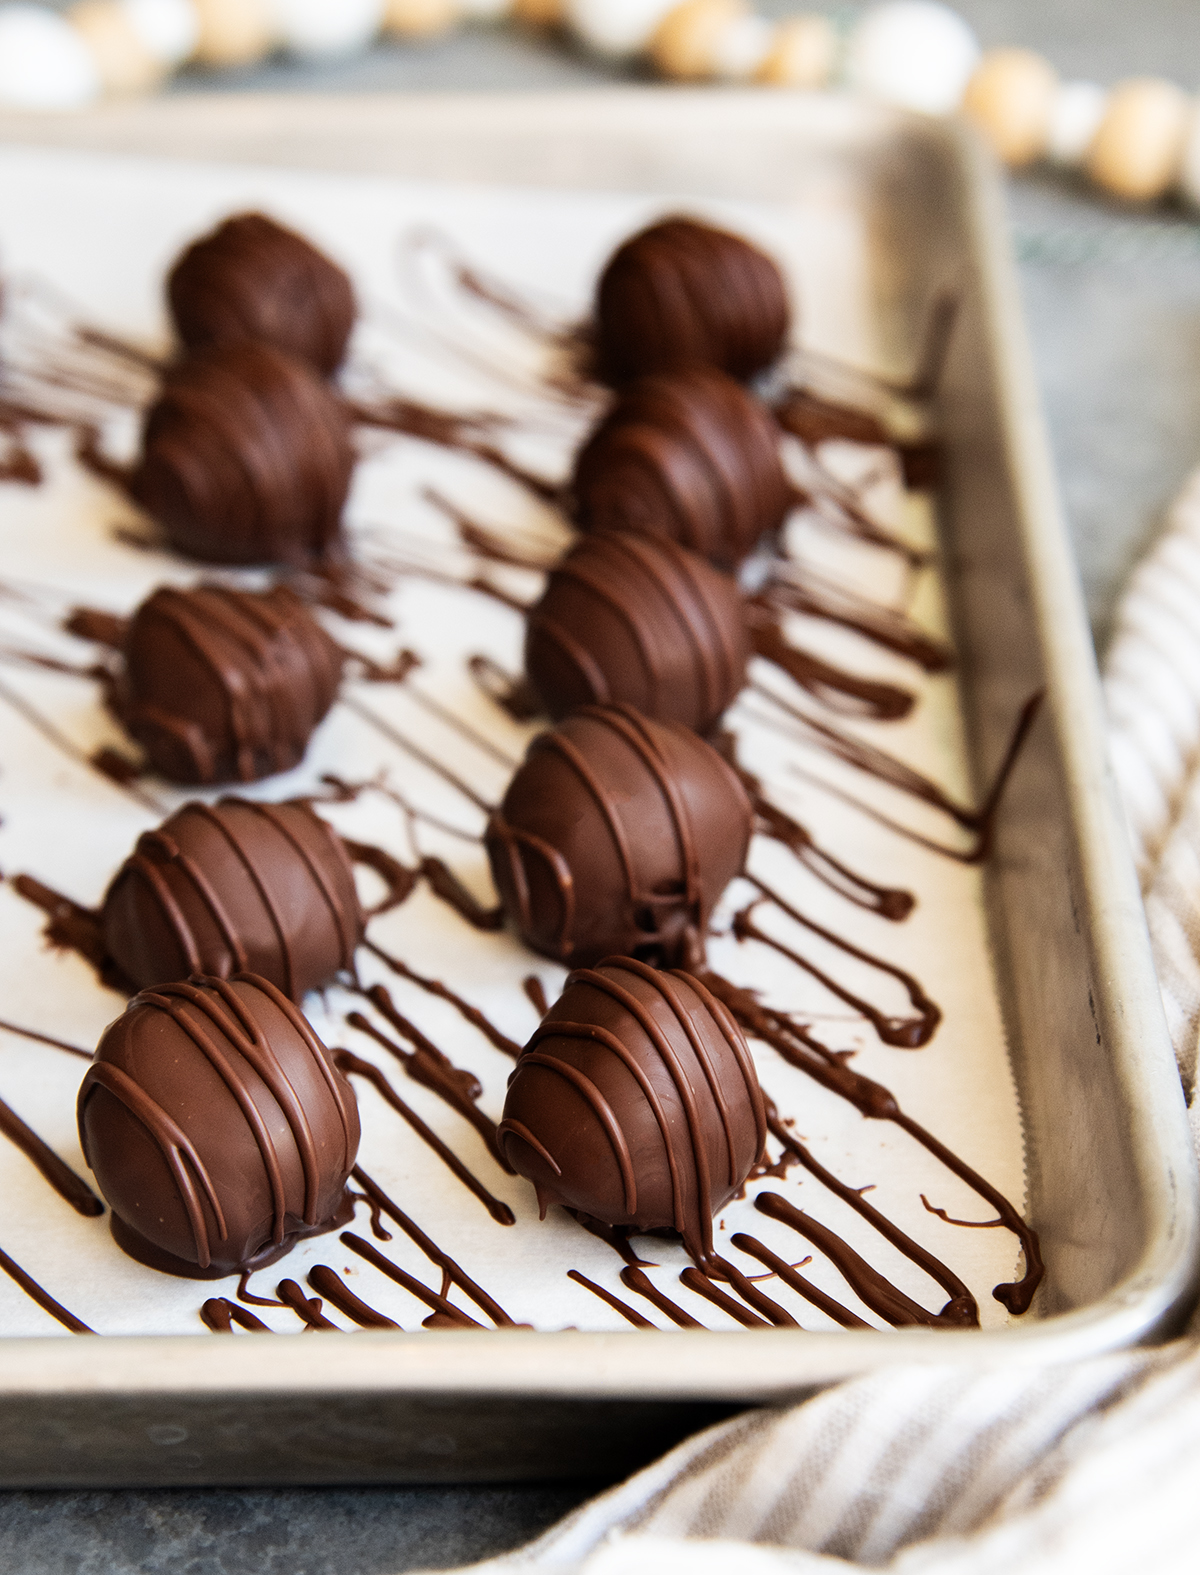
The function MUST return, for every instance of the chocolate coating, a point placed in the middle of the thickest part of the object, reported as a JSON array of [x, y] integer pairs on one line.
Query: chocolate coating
[[217, 1127], [684, 294], [235, 887], [222, 685], [618, 835], [687, 456], [636, 1102], [251, 278], [627, 618], [246, 458]]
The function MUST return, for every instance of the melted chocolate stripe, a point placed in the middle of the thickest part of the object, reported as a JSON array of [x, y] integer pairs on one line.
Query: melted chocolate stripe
[[43, 1039], [450, 1269], [432, 1299], [534, 991], [884, 626], [354, 1065], [305, 1307], [797, 1281], [614, 1236], [839, 690], [435, 987], [324, 1279], [703, 1286], [220, 1314], [750, 1293], [639, 1282], [630, 1314], [907, 1033], [393, 735], [42, 1297], [70, 1187]]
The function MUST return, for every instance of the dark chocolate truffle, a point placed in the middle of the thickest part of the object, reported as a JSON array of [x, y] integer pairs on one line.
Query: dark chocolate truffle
[[222, 685], [235, 887], [636, 1102], [251, 278], [688, 456], [246, 458], [217, 1126], [631, 619], [684, 294], [618, 835]]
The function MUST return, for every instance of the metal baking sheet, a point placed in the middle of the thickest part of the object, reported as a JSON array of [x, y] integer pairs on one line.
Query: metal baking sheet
[[1109, 1181]]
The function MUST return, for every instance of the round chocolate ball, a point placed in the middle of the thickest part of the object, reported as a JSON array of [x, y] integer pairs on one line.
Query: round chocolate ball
[[618, 835], [246, 458], [251, 278], [221, 685], [217, 1127], [635, 620], [231, 888], [636, 1102], [684, 294], [688, 456]]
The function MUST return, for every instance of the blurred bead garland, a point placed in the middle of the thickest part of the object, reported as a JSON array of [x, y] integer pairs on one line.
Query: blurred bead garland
[[1139, 140]]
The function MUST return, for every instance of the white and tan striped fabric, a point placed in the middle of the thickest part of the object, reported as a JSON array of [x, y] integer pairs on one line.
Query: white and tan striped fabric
[[948, 1471]]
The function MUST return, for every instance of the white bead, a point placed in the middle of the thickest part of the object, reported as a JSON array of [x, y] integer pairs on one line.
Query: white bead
[[1075, 115], [618, 28], [44, 64], [914, 53], [168, 29], [318, 29], [741, 49], [486, 10]]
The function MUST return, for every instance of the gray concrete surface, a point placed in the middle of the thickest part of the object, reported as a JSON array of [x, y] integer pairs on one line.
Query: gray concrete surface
[[1113, 301]]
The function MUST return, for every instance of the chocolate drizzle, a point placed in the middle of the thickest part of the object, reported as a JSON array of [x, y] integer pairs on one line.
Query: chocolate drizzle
[[41, 1296], [61, 1177]]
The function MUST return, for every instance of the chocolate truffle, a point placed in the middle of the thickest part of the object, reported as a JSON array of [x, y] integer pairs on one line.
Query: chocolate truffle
[[235, 887], [217, 1126], [636, 1102], [618, 835], [631, 619], [221, 685], [251, 278], [246, 458], [687, 456], [683, 294]]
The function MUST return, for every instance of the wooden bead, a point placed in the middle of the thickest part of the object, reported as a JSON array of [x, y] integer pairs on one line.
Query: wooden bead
[[123, 62], [540, 13], [420, 18], [686, 42], [1009, 97], [802, 54], [234, 32], [1137, 151]]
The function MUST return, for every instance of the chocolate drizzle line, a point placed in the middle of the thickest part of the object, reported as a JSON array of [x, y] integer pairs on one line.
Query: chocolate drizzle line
[[644, 1286], [220, 1314], [804, 1287], [820, 598], [44, 1039], [466, 434], [73, 928], [305, 1307], [842, 692], [703, 1286], [876, 1102], [444, 993], [448, 1314], [393, 735], [452, 1272], [533, 989], [70, 1187], [356, 1066], [615, 1236], [905, 1033], [749, 1292], [630, 1314], [430, 1067], [514, 695], [330, 1285], [42, 1297]]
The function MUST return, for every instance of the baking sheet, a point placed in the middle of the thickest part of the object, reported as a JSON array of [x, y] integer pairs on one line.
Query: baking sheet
[[102, 230]]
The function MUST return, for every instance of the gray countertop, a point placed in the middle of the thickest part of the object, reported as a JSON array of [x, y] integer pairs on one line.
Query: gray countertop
[[1113, 302]]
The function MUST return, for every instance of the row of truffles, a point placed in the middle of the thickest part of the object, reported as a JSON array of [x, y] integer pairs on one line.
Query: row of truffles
[[219, 1129]]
